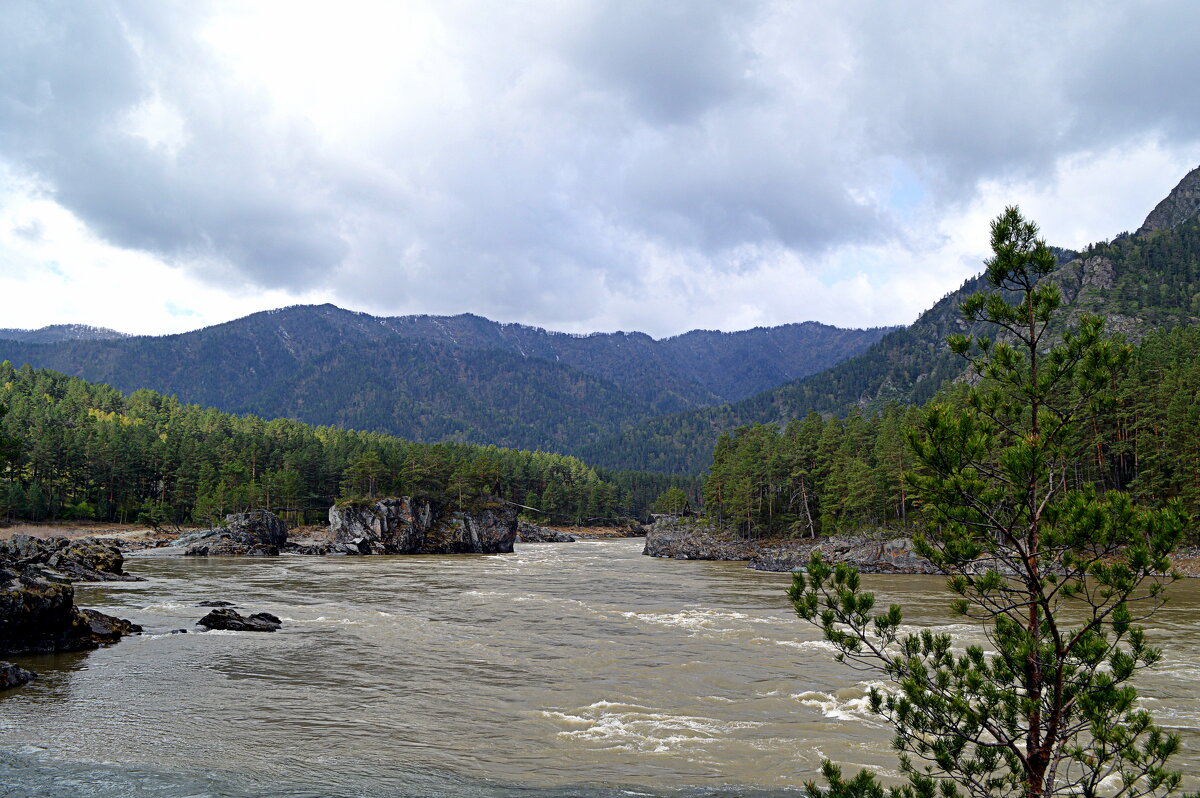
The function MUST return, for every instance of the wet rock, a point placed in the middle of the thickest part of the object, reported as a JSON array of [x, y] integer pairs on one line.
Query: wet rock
[[80, 560], [255, 534], [234, 621], [311, 548], [14, 676], [406, 525], [106, 629], [38, 615], [531, 533], [214, 604]]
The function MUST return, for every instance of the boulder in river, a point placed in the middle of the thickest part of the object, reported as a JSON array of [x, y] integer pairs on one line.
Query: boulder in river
[[14, 676], [234, 621], [406, 525], [259, 533]]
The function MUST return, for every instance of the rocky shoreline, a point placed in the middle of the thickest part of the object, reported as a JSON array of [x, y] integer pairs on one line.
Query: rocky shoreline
[[686, 539], [37, 599], [682, 539]]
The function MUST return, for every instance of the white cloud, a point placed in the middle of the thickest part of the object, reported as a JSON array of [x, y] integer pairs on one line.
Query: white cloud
[[586, 165], [56, 271]]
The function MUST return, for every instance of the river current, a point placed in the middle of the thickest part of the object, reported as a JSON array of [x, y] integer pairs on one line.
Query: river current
[[578, 669]]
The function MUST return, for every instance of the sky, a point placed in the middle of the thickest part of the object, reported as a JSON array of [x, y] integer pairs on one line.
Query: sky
[[573, 164]]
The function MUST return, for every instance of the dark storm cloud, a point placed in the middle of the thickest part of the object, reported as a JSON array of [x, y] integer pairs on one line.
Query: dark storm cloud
[[558, 143]]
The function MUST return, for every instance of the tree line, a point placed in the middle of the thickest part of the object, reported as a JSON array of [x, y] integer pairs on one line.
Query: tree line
[[78, 450], [825, 474]]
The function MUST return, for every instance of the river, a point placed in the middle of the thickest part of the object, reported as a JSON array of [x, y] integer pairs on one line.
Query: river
[[578, 669]]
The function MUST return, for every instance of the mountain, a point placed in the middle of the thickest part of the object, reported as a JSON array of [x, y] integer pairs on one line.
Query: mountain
[[55, 333], [1140, 282], [463, 378], [698, 368]]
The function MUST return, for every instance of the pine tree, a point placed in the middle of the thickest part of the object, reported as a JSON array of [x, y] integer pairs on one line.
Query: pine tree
[[1059, 578], [673, 501], [9, 447]]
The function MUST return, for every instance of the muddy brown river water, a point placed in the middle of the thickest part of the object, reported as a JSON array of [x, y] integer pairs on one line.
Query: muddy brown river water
[[561, 670]]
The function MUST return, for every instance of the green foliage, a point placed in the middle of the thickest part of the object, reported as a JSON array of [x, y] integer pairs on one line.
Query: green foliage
[[1059, 577], [9, 447], [88, 451], [673, 501], [816, 476]]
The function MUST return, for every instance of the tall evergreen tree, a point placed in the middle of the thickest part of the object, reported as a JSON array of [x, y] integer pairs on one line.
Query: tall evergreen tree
[[1058, 577]]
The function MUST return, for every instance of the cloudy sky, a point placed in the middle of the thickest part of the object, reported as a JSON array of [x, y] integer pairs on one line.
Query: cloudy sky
[[578, 165]]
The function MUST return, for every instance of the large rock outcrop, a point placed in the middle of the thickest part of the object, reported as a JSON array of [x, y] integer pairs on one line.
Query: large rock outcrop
[[683, 540], [80, 560], [259, 533], [38, 613], [679, 539], [406, 525], [532, 533], [868, 555]]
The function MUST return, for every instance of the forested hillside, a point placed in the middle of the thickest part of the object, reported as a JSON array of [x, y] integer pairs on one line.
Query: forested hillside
[[701, 367], [1138, 283], [88, 451], [827, 475], [459, 378]]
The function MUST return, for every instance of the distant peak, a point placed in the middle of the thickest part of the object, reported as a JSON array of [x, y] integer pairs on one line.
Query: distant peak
[[1182, 204], [54, 333]]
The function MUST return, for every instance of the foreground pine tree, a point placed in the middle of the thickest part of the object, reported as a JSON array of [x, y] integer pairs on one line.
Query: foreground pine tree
[[1059, 577]]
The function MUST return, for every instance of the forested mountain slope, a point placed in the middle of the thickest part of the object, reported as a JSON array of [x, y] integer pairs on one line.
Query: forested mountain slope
[[1139, 283], [701, 367], [458, 378]]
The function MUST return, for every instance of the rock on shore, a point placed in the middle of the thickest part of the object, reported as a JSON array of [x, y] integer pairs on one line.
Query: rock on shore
[[37, 601], [38, 614], [868, 555], [693, 541], [532, 533], [257, 534], [79, 560], [406, 525]]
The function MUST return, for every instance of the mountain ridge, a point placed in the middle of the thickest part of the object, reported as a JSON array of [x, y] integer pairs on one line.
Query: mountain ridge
[[54, 333], [1138, 282], [445, 378]]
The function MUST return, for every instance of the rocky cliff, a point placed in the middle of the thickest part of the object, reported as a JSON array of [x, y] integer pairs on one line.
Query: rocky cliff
[[406, 525], [1182, 204]]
